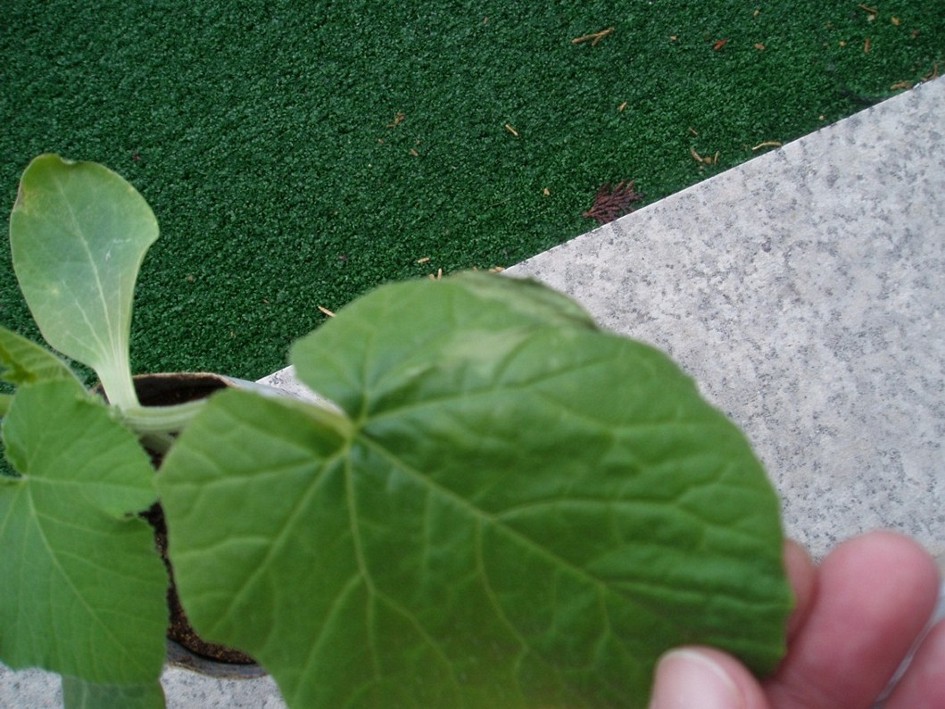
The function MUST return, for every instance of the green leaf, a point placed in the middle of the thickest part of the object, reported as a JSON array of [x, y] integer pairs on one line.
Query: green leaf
[[23, 361], [525, 511], [78, 233], [77, 694], [83, 590]]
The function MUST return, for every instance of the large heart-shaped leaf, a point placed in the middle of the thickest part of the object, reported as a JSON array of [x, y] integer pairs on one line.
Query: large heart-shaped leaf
[[78, 233], [83, 590], [518, 510]]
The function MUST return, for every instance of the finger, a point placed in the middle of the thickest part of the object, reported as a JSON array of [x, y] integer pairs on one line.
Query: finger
[[923, 685], [706, 678], [873, 595], [802, 575]]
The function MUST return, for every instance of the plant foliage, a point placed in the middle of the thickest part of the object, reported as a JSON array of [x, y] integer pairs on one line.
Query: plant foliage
[[516, 509], [508, 507], [78, 233]]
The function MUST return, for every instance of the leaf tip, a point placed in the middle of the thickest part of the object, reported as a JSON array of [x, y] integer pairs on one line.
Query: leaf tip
[[45, 160]]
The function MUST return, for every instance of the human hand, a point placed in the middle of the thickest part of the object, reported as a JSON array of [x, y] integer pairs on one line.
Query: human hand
[[856, 618]]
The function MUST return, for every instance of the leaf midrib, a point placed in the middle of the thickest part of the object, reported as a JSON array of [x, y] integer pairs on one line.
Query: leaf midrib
[[107, 349]]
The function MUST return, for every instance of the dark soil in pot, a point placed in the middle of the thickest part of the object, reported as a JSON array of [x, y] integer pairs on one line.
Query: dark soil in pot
[[193, 651], [179, 629]]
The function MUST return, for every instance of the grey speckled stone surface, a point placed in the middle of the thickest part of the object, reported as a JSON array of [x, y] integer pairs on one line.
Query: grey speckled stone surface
[[34, 689], [804, 292]]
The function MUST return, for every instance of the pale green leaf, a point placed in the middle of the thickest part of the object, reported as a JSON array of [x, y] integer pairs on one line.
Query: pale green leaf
[[23, 361], [526, 511], [77, 694], [78, 234], [83, 589]]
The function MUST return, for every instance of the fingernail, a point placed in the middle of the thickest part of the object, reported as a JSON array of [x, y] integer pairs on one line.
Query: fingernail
[[688, 678]]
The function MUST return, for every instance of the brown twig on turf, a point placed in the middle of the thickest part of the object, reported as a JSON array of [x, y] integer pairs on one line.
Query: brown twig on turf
[[593, 38], [704, 159]]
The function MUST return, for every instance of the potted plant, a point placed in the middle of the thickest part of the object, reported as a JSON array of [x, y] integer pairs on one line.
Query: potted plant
[[506, 506]]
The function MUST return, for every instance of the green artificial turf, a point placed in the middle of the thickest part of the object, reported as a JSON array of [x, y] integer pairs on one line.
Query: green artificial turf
[[298, 153]]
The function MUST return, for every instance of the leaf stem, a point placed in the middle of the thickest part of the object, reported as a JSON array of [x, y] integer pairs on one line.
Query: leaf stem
[[159, 443], [119, 386], [161, 419]]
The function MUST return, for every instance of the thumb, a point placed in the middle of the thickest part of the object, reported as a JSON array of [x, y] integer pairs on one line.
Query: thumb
[[705, 678]]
